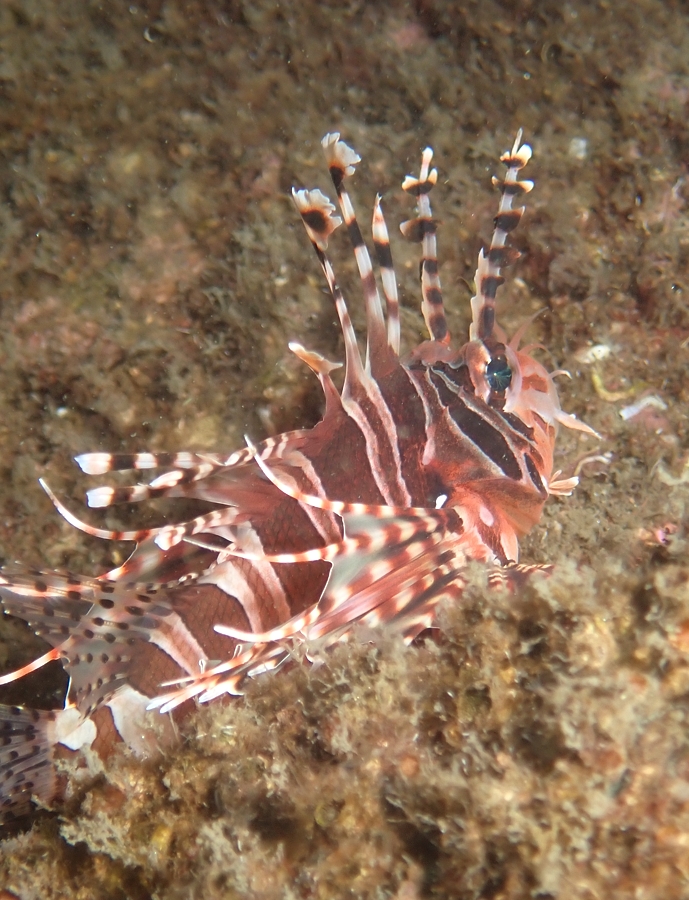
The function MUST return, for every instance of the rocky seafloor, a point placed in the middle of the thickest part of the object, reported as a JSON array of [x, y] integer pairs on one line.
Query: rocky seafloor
[[152, 270]]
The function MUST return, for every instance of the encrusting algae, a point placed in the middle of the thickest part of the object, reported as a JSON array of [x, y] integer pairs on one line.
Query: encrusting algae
[[499, 756]]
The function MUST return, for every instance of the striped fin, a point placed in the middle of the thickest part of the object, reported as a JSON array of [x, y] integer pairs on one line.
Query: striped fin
[[381, 242], [26, 760], [399, 582], [380, 570], [361, 396], [164, 537], [342, 160], [101, 463], [161, 486], [151, 566], [217, 520], [392, 565], [187, 469], [422, 229], [488, 276], [317, 214], [50, 603], [225, 678], [514, 576], [94, 627], [139, 535]]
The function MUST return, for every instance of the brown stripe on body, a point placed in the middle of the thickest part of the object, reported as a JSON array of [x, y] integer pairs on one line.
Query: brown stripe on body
[[337, 450], [326, 523], [150, 667], [302, 583], [451, 456], [375, 422], [203, 606], [103, 652], [452, 384], [263, 600], [406, 408], [461, 456], [534, 474], [290, 530], [520, 436], [477, 429], [487, 438], [517, 425], [107, 736]]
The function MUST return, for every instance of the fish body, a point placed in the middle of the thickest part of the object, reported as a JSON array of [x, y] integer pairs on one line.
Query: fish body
[[420, 463]]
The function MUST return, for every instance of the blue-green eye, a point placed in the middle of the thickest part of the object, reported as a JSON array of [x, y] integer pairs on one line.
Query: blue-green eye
[[499, 374]]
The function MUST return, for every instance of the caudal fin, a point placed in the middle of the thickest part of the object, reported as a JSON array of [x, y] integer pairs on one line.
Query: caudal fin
[[26, 760]]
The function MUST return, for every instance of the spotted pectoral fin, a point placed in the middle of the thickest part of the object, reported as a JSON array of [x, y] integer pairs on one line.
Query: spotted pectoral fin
[[27, 769], [51, 603], [100, 630], [86, 622]]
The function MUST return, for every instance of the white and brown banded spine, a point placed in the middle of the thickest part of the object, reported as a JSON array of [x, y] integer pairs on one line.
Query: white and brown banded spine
[[422, 230], [488, 276]]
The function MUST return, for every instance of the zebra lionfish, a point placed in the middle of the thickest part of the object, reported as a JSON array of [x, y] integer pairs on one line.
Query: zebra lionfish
[[421, 463]]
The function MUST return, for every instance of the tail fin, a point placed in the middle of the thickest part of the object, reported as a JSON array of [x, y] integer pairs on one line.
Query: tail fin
[[26, 760]]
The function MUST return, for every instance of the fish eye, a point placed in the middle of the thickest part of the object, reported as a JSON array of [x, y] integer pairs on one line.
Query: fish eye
[[498, 374]]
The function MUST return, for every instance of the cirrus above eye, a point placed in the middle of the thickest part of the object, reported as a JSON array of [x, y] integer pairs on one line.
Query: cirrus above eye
[[499, 374]]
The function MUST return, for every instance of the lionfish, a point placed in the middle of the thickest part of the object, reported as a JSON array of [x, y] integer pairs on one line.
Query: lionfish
[[419, 464]]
